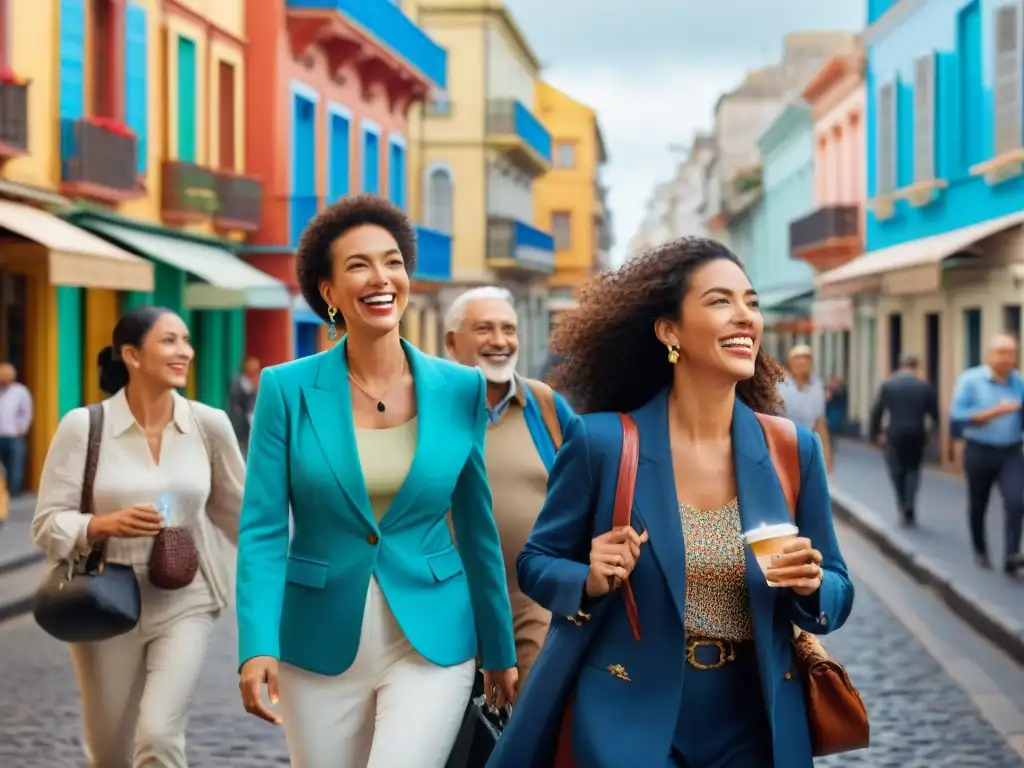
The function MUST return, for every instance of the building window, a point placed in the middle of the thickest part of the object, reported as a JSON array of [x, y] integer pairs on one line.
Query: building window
[[187, 82], [924, 118], [396, 172], [1007, 77], [895, 340], [1011, 320], [565, 154], [440, 193], [104, 43], [972, 95], [972, 337], [371, 159], [561, 228], [885, 182], [340, 137], [226, 108], [4, 32]]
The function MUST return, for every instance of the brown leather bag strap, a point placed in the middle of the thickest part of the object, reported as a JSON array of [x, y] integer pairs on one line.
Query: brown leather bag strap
[[623, 510], [92, 457], [545, 397], [780, 435]]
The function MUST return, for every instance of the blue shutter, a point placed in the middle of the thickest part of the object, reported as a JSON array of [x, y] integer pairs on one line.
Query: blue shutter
[[72, 59], [340, 152], [371, 163], [136, 69], [396, 175], [188, 80]]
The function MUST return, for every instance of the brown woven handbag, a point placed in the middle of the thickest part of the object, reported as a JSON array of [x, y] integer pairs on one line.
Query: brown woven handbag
[[836, 713], [174, 561]]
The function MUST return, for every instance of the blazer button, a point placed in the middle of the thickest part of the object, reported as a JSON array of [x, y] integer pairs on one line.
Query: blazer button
[[372, 539], [789, 675]]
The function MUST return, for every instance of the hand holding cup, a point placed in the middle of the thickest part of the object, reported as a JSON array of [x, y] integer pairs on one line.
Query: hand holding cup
[[797, 566]]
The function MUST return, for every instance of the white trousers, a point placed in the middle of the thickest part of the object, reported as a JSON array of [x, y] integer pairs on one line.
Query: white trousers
[[136, 690], [391, 709]]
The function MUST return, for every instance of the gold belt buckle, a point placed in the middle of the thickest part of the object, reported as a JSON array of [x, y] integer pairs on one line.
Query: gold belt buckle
[[726, 653]]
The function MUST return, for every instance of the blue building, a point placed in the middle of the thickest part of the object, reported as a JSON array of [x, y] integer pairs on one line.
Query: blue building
[[945, 154]]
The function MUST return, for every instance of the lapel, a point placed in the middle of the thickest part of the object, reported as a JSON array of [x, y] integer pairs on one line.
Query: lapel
[[655, 496]]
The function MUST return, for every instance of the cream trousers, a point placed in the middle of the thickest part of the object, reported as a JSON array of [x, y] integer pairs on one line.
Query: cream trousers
[[391, 709], [136, 688]]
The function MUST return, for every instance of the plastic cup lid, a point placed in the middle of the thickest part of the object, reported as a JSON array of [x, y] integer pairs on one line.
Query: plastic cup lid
[[768, 531]]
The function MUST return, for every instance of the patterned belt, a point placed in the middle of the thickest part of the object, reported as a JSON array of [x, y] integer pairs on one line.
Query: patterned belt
[[728, 651]]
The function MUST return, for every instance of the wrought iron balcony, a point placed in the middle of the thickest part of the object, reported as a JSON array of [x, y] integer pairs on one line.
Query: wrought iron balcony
[[187, 194], [239, 202], [13, 120], [828, 227], [433, 255], [98, 160], [513, 244], [515, 130]]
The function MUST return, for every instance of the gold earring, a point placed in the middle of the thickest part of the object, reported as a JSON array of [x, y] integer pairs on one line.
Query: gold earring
[[673, 354], [332, 328]]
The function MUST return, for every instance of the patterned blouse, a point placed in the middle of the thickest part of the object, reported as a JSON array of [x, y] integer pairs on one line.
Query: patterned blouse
[[717, 604]]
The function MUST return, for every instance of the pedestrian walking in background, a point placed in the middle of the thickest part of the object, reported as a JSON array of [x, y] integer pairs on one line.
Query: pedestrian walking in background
[[525, 424], [986, 411], [837, 409], [803, 397], [911, 407], [15, 422], [673, 338], [368, 623], [163, 461], [242, 400]]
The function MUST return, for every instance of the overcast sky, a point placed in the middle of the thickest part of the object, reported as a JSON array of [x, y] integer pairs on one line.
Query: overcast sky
[[653, 70]]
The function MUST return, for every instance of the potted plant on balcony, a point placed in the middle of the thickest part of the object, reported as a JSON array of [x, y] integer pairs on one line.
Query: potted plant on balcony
[[9, 77], [110, 125]]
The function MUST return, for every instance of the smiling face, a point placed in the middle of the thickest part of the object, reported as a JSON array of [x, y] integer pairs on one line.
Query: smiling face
[[487, 339], [369, 285], [164, 357], [720, 325]]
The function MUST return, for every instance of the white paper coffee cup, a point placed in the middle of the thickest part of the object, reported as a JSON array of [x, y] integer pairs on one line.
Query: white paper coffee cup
[[768, 540]]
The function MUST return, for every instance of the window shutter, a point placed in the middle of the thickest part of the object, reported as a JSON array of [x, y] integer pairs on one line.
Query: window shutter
[[136, 66], [72, 59], [885, 146], [924, 118], [1007, 78]]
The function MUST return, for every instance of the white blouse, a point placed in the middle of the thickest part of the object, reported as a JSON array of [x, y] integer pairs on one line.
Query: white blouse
[[205, 490]]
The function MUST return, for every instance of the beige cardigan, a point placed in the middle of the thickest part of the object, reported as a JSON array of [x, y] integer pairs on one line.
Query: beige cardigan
[[206, 489]]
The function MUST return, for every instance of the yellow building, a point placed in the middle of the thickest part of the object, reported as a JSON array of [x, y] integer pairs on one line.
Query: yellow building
[[102, 143], [570, 201], [475, 155]]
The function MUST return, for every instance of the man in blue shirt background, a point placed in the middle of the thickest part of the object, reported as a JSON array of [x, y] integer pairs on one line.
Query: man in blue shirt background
[[987, 409]]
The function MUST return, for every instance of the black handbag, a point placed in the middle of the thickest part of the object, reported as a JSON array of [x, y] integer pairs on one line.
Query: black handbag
[[479, 733], [86, 599]]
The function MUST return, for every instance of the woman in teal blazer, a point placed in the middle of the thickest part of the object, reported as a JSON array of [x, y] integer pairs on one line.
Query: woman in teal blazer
[[368, 624]]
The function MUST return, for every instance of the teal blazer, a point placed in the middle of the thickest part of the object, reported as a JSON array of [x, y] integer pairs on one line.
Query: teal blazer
[[303, 602]]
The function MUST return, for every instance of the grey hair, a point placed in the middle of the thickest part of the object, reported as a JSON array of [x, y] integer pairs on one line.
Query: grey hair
[[457, 311]]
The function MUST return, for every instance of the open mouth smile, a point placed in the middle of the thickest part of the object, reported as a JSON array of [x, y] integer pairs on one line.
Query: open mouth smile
[[738, 344]]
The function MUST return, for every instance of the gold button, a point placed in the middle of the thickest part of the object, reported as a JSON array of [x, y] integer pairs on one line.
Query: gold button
[[789, 675], [372, 539]]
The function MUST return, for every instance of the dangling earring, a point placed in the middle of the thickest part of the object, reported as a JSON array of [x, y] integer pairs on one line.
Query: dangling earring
[[332, 329], [673, 354]]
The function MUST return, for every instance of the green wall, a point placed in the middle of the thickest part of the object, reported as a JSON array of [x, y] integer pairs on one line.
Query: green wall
[[220, 344], [70, 348]]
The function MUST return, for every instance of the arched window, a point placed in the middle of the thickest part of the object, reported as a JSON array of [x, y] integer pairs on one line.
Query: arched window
[[439, 200]]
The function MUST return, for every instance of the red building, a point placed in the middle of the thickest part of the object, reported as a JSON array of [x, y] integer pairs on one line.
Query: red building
[[329, 84]]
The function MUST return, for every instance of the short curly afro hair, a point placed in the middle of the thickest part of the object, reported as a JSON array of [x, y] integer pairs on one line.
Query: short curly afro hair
[[314, 253], [613, 359]]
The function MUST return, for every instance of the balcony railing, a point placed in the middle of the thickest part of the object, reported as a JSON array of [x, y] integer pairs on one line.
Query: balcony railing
[[239, 201], [512, 243], [187, 193], [508, 117], [13, 120], [385, 21], [823, 226], [98, 161], [433, 255]]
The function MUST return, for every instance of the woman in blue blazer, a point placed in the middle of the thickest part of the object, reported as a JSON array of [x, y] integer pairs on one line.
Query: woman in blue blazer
[[368, 623], [673, 338]]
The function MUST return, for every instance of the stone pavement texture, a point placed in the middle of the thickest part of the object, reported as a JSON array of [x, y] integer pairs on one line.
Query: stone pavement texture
[[15, 540], [936, 552], [920, 718]]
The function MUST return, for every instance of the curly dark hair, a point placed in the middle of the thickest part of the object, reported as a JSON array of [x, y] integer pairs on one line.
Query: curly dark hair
[[613, 360], [314, 253]]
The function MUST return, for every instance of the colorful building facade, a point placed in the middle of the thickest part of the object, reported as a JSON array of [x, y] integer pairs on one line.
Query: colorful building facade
[[330, 86], [476, 153], [945, 181], [571, 198]]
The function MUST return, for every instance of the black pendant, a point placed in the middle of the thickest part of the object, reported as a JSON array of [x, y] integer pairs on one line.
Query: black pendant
[[380, 406]]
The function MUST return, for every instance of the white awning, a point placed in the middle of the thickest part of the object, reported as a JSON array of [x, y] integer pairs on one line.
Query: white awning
[[227, 280]]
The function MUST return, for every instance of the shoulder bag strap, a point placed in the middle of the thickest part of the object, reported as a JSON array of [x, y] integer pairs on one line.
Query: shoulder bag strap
[[92, 457], [624, 503], [545, 397], [780, 435], [198, 420]]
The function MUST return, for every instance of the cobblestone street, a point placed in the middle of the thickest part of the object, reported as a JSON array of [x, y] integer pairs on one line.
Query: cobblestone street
[[920, 718]]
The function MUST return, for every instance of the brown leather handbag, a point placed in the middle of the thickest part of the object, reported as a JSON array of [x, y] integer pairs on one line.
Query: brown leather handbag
[[621, 514], [837, 716]]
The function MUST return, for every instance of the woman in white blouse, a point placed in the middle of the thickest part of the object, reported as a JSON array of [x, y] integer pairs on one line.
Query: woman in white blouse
[[158, 448]]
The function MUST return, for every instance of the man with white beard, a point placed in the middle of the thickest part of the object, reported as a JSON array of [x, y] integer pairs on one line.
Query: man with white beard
[[526, 419]]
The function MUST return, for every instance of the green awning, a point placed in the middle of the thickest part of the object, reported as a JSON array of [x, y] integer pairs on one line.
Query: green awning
[[792, 300], [227, 281]]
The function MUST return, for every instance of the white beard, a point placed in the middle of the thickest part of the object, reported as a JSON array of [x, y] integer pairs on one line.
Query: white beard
[[498, 374]]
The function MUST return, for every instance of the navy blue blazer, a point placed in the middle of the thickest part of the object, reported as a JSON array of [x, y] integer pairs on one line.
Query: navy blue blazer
[[619, 723]]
